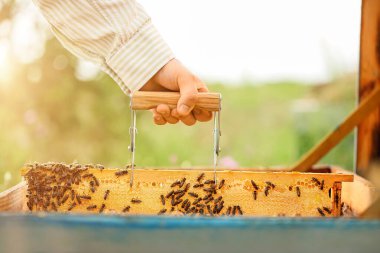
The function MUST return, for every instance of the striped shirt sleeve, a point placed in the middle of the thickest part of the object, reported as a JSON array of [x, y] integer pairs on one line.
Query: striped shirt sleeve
[[116, 34]]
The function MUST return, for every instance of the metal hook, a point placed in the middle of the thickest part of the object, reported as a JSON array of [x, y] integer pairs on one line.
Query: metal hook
[[132, 146]]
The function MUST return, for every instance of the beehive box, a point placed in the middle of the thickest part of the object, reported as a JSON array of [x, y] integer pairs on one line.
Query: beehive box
[[248, 192]]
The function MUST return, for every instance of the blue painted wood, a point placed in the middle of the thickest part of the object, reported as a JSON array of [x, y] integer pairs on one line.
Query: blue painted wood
[[78, 233]]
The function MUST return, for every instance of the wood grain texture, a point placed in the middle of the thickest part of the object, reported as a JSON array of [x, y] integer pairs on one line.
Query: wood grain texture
[[359, 194], [13, 199], [145, 100], [150, 184], [368, 135], [366, 107]]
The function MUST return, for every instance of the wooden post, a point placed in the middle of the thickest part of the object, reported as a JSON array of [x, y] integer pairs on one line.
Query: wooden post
[[368, 135]]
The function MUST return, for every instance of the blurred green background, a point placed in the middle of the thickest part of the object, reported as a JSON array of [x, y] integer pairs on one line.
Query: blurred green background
[[48, 112]]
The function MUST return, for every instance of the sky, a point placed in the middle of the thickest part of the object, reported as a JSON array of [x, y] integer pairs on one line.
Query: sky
[[235, 40]]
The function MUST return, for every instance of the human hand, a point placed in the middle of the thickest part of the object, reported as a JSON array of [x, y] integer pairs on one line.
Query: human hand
[[175, 77]]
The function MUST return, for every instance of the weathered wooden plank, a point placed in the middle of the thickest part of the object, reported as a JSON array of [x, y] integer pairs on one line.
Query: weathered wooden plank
[[293, 194], [368, 135], [12, 200]]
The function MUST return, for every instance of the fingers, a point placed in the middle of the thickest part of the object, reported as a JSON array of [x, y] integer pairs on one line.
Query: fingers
[[158, 118], [187, 120], [165, 112], [202, 115], [188, 99]]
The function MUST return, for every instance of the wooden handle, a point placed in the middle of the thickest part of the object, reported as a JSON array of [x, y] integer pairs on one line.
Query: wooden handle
[[145, 100], [331, 140]]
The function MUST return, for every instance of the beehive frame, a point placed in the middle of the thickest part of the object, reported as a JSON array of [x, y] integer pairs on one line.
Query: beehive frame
[[247, 192]]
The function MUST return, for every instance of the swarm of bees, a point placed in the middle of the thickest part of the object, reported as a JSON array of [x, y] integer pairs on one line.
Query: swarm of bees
[[182, 199], [51, 185]]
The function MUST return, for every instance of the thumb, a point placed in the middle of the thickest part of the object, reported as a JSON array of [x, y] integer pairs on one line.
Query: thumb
[[188, 98]]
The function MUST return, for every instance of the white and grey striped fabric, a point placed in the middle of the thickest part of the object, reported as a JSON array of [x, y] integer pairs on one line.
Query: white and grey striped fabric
[[116, 34]]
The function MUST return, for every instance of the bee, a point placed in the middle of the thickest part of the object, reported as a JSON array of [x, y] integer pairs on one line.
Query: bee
[[207, 196], [162, 199], [184, 203], [201, 211], [78, 199], [91, 207], [121, 173], [87, 175], [221, 184], [100, 167], [210, 190], [182, 182], [218, 199], [180, 195], [254, 185], [192, 194], [209, 200], [96, 181], [172, 201], [126, 209], [172, 209], [169, 194], [197, 201], [315, 180], [270, 184], [327, 210], [162, 211], [255, 195], [102, 208], [200, 205], [64, 199], [298, 191], [187, 187], [209, 210], [72, 206], [106, 194], [186, 208], [200, 177], [228, 212], [72, 195], [177, 182], [85, 197], [234, 211], [209, 182], [320, 211], [135, 201], [198, 185], [178, 192], [219, 209], [53, 206], [266, 191], [322, 185], [92, 189], [129, 166], [290, 188], [239, 210]]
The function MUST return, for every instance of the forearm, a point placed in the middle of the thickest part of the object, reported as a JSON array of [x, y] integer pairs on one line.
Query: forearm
[[116, 34]]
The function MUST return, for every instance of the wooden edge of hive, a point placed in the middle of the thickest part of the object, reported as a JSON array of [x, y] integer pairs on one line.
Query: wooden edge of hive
[[341, 176]]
